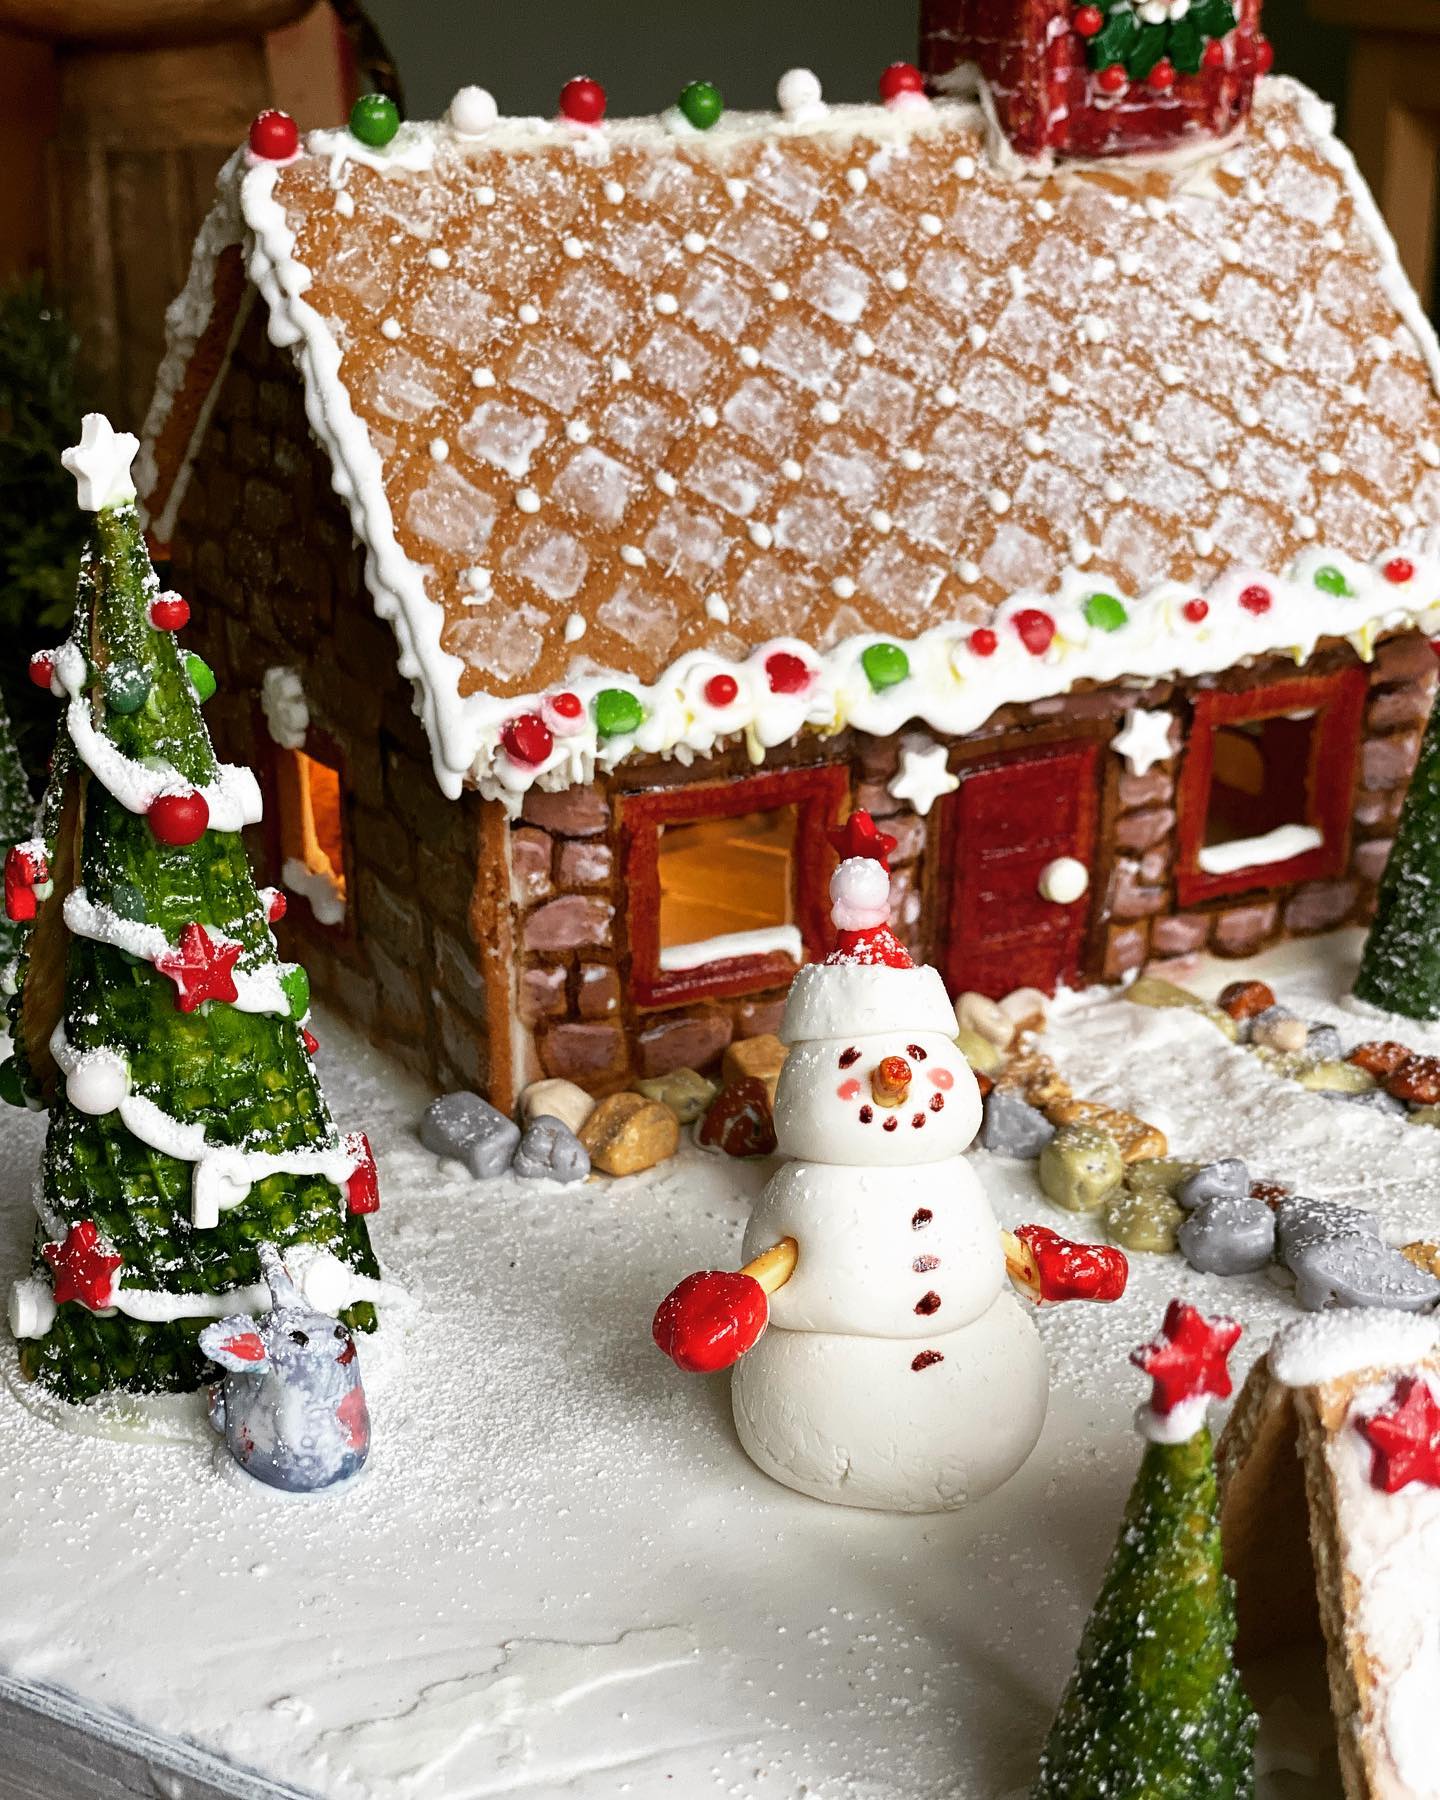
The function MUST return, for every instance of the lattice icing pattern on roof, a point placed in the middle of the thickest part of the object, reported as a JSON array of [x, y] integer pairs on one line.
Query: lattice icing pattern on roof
[[848, 381]]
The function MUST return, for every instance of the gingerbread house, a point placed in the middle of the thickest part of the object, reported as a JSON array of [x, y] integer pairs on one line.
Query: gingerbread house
[[580, 515], [1334, 1444]]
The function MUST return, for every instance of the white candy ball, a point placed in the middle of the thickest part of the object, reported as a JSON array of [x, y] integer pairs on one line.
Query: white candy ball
[[326, 1283], [473, 111], [99, 1081], [1064, 880], [798, 91]]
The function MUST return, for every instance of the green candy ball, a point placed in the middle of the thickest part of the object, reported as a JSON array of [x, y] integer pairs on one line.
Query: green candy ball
[[1331, 580], [1105, 612], [12, 1089], [884, 665], [295, 984], [374, 119], [126, 686], [202, 676], [617, 712], [701, 104]]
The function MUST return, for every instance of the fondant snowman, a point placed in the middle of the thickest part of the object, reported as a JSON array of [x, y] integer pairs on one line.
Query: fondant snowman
[[899, 1370]]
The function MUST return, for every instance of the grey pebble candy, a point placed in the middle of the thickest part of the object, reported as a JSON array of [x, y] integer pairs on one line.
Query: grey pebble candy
[[464, 1128], [550, 1151], [1358, 1271], [1301, 1222], [1012, 1127], [1232, 1235], [1226, 1179], [1323, 1044]]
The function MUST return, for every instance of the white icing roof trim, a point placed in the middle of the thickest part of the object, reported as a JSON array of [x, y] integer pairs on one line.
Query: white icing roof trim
[[1349, 1342], [950, 689]]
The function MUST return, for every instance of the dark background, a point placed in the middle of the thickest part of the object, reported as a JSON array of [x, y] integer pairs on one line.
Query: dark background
[[644, 51]]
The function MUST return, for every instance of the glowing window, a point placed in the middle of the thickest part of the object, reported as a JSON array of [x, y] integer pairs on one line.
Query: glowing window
[[726, 889], [312, 837]]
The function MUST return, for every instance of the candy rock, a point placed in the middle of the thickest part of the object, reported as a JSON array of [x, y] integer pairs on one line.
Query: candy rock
[[1080, 1168], [627, 1133], [556, 1099], [758, 1059], [684, 1091], [1012, 1127], [1278, 1029], [1225, 1179], [739, 1121], [1331, 1076], [1230, 1235], [464, 1128], [1323, 1043], [986, 1018], [1143, 1219], [550, 1150], [290, 1405]]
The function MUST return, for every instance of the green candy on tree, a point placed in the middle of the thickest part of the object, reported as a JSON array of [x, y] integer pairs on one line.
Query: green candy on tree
[[202, 676], [12, 1082], [701, 104], [374, 119], [1400, 966], [617, 712], [295, 984], [1105, 612], [885, 665], [126, 686]]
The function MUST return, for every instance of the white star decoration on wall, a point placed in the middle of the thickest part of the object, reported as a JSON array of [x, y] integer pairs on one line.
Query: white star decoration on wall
[[922, 778], [100, 463], [1144, 740]]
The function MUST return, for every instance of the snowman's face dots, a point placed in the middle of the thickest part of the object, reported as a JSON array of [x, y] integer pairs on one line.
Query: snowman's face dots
[[878, 1100]]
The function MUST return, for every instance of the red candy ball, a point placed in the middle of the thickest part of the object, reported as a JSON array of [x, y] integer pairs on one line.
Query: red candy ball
[[42, 670], [279, 906], [527, 739], [720, 690], [179, 819], [1196, 611], [786, 672], [1113, 79], [1036, 629], [170, 613], [710, 1320], [274, 135], [1399, 569], [1213, 55], [1257, 600], [983, 641], [1264, 56], [567, 706], [309, 1039], [1088, 21], [901, 78], [582, 101], [1162, 77]]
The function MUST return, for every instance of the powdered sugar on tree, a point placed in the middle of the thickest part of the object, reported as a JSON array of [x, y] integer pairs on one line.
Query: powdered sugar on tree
[[897, 1370], [153, 1017]]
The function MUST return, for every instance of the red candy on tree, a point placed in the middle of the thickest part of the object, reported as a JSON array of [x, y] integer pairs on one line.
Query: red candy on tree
[[362, 1188], [983, 641], [527, 740], [1196, 611], [274, 135], [582, 101], [278, 907], [711, 1320], [1036, 629], [1213, 55], [1162, 77], [720, 690], [24, 873], [1069, 1271], [83, 1270], [170, 612], [42, 669], [786, 672], [1257, 599], [309, 1040], [1399, 569], [178, 819], [201, 968], [1264, 56], [1405, 1437], [900, 79], [1089, 21], [1112, 79]]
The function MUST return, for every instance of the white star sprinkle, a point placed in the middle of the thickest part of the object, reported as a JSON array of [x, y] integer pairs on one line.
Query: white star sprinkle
[[922, 778], [1144, 740], [100, 463]]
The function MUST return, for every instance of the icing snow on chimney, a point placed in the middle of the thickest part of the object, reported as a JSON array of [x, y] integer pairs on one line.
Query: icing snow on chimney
[[1103, 78]]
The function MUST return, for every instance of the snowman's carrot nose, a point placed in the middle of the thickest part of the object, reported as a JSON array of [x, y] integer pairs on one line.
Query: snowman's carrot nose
[[890, 1081]]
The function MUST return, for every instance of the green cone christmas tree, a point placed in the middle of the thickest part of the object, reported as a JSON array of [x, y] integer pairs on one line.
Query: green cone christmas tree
[[1400, 969], [1155, 1709], [153, 1018]]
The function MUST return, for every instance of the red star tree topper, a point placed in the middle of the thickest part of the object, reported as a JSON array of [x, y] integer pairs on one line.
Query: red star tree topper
[[200, 968], [83, 1269], [861, 836], [1188, 1361], [1405, 1437]]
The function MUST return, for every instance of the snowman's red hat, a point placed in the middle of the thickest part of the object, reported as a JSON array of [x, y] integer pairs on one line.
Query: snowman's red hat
[[868, 983]]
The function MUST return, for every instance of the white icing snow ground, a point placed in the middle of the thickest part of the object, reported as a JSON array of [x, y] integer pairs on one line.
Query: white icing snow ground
[[559, 1574]]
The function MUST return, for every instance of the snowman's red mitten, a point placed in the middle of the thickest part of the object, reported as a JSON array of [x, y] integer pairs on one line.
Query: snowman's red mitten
[[711, 1320], [1064, 1270]]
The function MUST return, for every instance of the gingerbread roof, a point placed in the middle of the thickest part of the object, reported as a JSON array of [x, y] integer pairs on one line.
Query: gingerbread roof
[[631, 407]]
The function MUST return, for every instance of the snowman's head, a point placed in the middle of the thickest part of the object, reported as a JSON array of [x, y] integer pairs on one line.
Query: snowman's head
[[893, 1097]]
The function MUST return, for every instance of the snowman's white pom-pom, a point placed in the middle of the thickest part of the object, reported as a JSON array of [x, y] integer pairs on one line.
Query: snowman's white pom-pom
[[860, 894], [98, 1081]]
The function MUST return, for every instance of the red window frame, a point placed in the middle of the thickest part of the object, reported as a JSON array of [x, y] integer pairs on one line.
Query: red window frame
[[817, 794], [1338, 701]]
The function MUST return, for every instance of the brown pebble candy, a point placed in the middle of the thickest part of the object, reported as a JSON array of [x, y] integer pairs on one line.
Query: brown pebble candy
[[1243, 999], [1270, 1192], [1379, 1058], [984, 1083], [1417, 1080]]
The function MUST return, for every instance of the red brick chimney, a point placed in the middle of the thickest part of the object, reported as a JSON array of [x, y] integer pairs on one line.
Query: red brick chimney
[[1106, 77]]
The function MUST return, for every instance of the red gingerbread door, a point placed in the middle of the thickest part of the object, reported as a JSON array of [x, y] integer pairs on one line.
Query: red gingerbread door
[[1017, 847]]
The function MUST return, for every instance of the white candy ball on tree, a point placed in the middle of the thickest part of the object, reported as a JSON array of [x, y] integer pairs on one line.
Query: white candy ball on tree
[[473, 111], [798, 91], [860, 894], [99, 1081], [326, 1283]]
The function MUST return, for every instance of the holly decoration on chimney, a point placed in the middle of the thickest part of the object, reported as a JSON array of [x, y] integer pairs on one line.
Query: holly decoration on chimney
[[1143, 36]]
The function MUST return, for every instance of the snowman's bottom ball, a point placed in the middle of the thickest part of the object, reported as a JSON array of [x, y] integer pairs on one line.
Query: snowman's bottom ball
[[876, 1422]]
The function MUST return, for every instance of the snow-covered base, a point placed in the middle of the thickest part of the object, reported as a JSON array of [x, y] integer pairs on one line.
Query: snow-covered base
[[561, 1573]]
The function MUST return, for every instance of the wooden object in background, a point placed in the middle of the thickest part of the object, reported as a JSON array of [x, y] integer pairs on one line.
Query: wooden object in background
[[1393, 117]]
